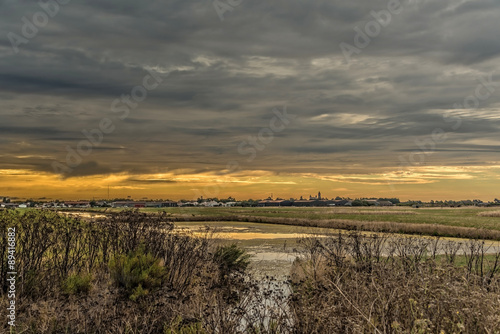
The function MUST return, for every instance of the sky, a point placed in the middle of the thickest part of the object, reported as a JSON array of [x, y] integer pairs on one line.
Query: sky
[[182, 99]]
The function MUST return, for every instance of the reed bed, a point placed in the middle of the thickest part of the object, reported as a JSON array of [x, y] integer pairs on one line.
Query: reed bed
[[489, 214], [356, 225]]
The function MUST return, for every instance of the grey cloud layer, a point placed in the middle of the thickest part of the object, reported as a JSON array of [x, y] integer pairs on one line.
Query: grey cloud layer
[[222, 79]]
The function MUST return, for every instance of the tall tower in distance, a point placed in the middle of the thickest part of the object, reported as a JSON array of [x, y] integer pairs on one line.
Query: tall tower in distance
[[319, 194]]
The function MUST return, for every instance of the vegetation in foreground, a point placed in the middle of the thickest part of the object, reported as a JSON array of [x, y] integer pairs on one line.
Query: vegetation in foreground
[[355, 284], [127, 273], [132, 273]]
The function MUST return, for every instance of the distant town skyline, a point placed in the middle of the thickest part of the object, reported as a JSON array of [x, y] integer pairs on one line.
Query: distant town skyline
[[222, 196]]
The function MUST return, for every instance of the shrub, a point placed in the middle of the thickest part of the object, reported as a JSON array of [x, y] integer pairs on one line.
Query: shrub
[[76, 284], [231, 259], [346, 285], [137, 273]]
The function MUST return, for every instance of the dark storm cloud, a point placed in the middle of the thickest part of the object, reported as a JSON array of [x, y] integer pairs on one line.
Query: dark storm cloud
[[31, 132], [90, 168], [222, 79]]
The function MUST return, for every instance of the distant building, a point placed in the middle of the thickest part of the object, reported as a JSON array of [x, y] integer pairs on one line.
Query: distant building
[[165, 204], [314, 202], [342, 202], [9, 205], [78, 204], [188, 204], [313, 198], [211, 204], [303, 202], [123, 204], [275, 203], [168, 204]]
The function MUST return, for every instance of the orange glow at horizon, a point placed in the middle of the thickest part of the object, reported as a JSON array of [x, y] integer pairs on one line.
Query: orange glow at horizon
[[419, 183]]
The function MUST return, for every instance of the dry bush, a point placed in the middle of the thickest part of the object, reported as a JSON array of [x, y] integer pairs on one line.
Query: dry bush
[[77, 276], [355, 284]]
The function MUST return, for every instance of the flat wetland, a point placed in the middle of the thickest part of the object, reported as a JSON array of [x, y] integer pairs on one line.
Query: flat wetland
[[274, 247], [464, 222], [271, 234]]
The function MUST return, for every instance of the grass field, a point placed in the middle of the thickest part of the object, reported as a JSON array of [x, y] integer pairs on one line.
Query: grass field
[[452, 222], [464, 217]]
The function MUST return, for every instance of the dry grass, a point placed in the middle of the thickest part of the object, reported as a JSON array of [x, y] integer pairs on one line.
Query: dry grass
[[489, 214], [356, 225], [346, 284], [373, 212]]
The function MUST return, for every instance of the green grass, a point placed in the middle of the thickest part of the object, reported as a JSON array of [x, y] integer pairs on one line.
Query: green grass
[[404, 219], [464, 217], [461, 260]]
